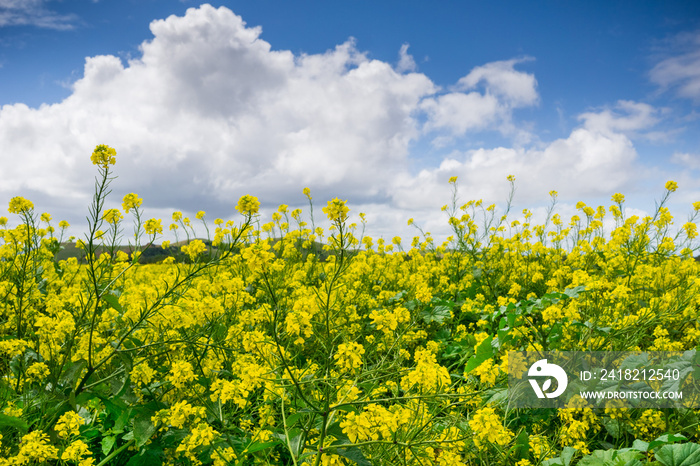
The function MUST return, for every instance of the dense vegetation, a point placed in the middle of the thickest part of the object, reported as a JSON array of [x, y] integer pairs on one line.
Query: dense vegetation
[[249, 350]]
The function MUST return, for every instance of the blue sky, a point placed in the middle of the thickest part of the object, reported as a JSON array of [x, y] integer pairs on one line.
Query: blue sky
[[375, 102]]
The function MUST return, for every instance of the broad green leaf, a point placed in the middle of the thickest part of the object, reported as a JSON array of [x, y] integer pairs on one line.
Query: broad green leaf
[[483, 352], [107, 444], [436, 314], [680, 454], [625, 457], [522, 445], [665, 439], [567, 454], [640, 445], [574, 292], [143, 428]]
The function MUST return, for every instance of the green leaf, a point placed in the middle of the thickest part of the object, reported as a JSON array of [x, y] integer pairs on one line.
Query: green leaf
[[257, 446], [624, 457], [353, 454], [436, 314], [14, 422], [574, 292], [113, 302], [696, 364], [640, 445], [567, 454], [483, 352], [665, 439], [522, 445], [295, 437], [143, 428], [148, 457], [683, 454], [107, 444], [612, 426], [72, 372]]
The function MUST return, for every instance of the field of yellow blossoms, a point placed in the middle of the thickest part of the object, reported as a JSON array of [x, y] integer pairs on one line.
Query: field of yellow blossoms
[[283, 343]]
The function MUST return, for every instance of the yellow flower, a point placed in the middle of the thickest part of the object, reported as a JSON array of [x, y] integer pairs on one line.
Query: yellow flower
[[68, 424], [307, 193], [38, 371], [349, 356], [142, 374], [131, 201], [487, 372], [194, 248], [35, 449], [181, 373], [487, 426], [453, 179], [104, 156], [153, 226], [75, 451], [248, 205], [112, 216], [19, 204], [200, 215], [671, 186], [336, 210], [618, 198]]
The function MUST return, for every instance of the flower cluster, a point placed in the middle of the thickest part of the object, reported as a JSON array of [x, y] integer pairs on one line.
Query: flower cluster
[[103, 156]]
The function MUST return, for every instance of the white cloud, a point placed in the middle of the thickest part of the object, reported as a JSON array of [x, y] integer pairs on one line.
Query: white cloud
[[210, 112], [406, 61], [594, 160], [33, 13], [690, 161], [466, 109], [629, 118], [459, 112], [681, 71], [500, 78]]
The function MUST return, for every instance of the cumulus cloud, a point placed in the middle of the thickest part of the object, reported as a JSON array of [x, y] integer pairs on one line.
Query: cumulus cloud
[[518, 89], [33, 13], [596, 159], [210, 112], [467, 108], [627, 117]]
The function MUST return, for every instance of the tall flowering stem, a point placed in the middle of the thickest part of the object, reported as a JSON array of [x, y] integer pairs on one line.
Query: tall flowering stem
[[103, 156]]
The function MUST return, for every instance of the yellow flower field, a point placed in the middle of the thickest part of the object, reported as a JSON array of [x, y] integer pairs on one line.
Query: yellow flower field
[[284, 343]]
